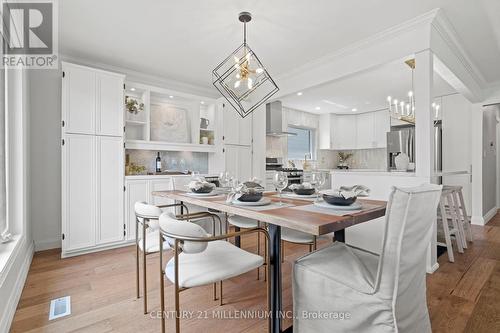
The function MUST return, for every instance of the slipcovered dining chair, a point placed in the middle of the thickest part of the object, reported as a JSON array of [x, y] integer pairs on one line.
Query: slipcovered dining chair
[[200, 259], [385, 293]]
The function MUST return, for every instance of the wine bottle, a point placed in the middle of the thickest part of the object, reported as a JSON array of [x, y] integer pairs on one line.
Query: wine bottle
[[158, 163]]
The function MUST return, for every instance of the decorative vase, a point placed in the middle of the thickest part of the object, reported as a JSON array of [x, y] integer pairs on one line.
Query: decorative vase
[[402, 161]]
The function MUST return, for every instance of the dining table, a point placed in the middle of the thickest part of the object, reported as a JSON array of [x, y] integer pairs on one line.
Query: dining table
[[293, 212]]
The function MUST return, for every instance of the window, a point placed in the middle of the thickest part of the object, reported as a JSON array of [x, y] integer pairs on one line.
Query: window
[[4, 227], [301, 144]]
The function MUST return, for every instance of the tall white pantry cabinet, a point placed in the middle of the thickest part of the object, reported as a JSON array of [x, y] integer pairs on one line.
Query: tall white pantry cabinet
[[92, 159]]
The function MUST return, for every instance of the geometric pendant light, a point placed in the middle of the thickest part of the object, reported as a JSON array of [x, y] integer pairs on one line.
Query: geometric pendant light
[[242, 79]]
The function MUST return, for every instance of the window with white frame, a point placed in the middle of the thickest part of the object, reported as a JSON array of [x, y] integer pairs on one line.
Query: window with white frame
[[301, 144], [4, 226]]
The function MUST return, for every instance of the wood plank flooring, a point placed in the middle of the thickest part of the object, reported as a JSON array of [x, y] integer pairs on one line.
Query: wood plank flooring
[[462, 297]]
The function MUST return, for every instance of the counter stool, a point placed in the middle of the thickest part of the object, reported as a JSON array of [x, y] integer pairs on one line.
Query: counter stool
[[461, 213], [452, 230]]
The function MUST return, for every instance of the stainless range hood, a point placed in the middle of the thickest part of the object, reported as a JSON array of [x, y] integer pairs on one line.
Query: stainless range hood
[[274, 120]]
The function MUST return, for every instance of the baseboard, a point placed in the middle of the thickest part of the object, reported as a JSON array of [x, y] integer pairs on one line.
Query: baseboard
[[490, 214], [15, 295], [97, 249], [47, 244], [477, 220]]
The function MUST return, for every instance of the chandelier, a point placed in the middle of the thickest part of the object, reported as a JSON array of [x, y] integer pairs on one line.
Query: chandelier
[[242, 79], [401, 109]]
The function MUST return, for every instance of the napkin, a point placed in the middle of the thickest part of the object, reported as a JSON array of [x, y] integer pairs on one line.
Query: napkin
[[354, 191], [200, 183]]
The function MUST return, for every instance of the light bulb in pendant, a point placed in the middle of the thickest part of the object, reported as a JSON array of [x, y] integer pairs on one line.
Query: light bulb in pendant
[[249, 83], [237, 84], [410, 93], [259, 70]]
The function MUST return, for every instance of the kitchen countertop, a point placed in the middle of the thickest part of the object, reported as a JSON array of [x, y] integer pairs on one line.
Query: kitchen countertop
[[163, 176], [373, 172]]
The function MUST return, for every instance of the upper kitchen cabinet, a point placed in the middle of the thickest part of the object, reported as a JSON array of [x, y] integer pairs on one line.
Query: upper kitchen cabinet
[[325, 131], [344, 132], [382, 125], [92, 101], [236, 130], [365, 130]]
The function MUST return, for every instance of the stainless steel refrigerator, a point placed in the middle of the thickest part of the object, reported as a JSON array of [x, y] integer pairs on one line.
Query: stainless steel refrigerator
[[400, 140]]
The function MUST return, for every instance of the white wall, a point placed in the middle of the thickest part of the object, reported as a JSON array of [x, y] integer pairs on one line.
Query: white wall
[[489, 167], [45, 150]]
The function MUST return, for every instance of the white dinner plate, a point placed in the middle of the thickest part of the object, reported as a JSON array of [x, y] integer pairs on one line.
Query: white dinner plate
[[354, 206], [298, 196], [261, 202], [211, 194]]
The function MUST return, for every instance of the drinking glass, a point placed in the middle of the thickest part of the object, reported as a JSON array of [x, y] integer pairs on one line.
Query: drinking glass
[[280, 181], [318, 179]]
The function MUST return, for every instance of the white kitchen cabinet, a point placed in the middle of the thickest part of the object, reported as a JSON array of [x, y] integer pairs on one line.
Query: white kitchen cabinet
[[238, 161], [161, 185], [92, 101], [78, 99], [344, 132], [382, 124], [237, 130], [109, 109], [325, 131], [78, 192], [136, 190], [110, 220], [365, 130]]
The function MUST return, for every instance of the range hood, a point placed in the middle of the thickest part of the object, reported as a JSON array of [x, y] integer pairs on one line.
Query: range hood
[[274, 120]]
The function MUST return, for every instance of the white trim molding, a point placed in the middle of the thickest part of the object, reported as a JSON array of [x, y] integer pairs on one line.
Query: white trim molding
[[490, 214]]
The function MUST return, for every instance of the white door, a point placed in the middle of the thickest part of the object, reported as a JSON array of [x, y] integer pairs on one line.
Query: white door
[[365, 130], [109, 104], [325, 132], [78, 99], [110, 164], [137, 190], [244, 163], [245, 130], [382, 124], [79, 202], [231, 158], [231, 125]]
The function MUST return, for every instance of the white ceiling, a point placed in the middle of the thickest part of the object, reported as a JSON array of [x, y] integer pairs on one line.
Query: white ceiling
[[364, 92], [185, 40]]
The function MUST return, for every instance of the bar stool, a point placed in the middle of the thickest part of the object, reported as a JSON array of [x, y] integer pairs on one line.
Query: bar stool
[[461, 213], [446, 215]]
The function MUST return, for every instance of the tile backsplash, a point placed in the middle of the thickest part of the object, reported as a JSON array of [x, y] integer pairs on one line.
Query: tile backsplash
[[361, 159], [171, 160]]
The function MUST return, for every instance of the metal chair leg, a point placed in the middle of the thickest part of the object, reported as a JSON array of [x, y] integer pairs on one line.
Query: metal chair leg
[[162, 289], [258, 250], [282, 251], [220, 292], [215, 291], [176, 286], [144, 268], [137, 257]]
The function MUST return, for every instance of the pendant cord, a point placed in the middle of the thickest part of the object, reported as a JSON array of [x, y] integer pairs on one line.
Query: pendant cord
[[244, 33]]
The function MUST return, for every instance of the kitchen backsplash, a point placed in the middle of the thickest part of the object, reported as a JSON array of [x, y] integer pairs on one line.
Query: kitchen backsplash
[[361, 158], [171, 160]]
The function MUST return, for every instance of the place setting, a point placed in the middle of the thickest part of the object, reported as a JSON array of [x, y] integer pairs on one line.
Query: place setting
[[199, 187]]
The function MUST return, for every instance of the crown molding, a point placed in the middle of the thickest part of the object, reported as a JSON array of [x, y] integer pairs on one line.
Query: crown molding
[[412, 24], [145, 78], [447, 32]]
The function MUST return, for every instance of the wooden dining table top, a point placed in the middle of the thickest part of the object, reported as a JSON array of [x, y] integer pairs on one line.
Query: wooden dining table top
[[315, 223]]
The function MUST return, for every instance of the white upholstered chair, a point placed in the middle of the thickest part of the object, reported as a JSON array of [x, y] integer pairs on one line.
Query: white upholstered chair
[[385, 293], [200, 259]]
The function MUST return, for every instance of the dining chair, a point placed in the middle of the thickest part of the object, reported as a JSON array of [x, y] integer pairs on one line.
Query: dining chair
[[200, 259], [147, 217], [360, 291], [296, 237]]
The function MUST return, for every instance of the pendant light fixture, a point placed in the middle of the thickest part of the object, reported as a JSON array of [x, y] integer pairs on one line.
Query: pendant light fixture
[[242, 79], [402, 110]]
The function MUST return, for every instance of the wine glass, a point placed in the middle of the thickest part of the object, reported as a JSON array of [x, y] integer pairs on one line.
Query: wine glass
[[318, 179], [280, 181]]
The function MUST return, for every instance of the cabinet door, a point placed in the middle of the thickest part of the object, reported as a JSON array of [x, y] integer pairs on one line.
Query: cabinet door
[[345, 132], [231, 159], [79, 202], [137, 190], [79, 99], [231, 126], [382, 125], [244, 163], [245, 130], [110, 221], [109, 104], [365, 130], [325, 132]]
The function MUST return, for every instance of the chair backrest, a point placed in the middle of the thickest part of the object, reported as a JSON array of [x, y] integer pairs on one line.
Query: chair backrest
[[151, 212], [170, 225], [410, 217]]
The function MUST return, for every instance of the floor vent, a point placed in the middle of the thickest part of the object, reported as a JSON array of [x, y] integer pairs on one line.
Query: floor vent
[[60, 307]]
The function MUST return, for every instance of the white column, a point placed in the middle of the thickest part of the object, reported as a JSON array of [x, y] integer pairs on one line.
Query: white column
[[424, 133], [424, 118]]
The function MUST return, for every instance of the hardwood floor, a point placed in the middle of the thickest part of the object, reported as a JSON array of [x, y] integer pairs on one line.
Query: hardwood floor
[[462, 297]]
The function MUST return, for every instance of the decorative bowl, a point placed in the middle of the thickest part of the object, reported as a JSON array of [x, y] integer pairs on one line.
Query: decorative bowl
[[304, 191], [206, 189], [338, 200], [251, 197]]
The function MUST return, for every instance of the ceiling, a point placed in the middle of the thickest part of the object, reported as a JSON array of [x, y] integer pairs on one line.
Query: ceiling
[[366, 91], [185, 40]]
